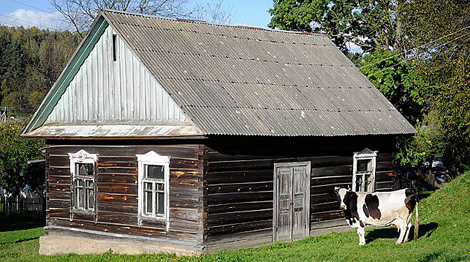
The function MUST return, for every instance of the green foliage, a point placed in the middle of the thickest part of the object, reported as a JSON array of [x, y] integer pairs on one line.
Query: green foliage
[[15, 152], [444, 60], [369, 24], [427, 144], [397, 80], [30, 62]]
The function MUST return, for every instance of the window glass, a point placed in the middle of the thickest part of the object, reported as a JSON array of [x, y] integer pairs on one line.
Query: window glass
[[364, 165], [160, 204], [155, 172], [84, 169], [148, 202], [91, 198]]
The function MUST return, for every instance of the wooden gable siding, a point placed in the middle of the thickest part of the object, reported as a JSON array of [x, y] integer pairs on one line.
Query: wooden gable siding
[[107, 91], [117, 202], [239, 182]]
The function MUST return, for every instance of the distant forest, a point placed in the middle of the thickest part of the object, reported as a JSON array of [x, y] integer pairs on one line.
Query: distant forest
[[31, 60]]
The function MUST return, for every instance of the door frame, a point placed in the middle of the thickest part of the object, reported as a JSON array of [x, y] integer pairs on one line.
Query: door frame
[[306, 164]]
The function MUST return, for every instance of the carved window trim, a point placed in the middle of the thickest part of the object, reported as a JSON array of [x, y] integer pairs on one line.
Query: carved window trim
[[86, 190], [144, 161], [368, 175]]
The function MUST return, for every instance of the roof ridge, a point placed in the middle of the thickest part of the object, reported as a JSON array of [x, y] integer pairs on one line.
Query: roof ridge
[[196, 21]]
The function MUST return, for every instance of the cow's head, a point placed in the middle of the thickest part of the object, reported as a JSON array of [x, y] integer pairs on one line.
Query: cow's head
[[341, 193]]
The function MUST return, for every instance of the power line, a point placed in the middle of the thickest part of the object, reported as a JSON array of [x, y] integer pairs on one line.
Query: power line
[[400, 62], [404, 52], [24, 21], [5, 23], [37, 8]]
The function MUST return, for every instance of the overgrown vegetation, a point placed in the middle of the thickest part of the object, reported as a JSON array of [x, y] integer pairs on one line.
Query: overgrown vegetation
[[15, 152], [444, 236]]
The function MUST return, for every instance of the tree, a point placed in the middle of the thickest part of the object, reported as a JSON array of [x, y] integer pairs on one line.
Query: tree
[[443, 57], [30, 62], [80, 13], [397, 80], [370, 24], [15, 152]]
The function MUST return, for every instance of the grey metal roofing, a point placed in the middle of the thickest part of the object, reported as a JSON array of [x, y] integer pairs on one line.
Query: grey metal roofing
[[232, 80]]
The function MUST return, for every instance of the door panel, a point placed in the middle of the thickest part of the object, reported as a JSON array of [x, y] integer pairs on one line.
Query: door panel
[[291, 217], [285, 200]]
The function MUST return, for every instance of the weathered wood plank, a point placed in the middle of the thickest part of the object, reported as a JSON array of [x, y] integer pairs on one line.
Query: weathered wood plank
[[238, 217], [229, 177], [117, 178], [243, 206], [117, 207], [240, 227], [239, 197], [120, 188], [332, 171], [240, 187]]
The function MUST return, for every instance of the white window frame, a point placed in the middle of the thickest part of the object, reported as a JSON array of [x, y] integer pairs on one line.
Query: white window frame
[[365, 154], [152, 158], [82, 157]]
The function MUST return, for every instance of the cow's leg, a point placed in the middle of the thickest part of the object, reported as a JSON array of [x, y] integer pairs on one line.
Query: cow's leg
[[403, 229], [360, 233], [408, 227]]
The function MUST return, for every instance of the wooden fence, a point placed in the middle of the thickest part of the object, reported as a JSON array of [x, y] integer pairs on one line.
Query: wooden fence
[[25, 206]]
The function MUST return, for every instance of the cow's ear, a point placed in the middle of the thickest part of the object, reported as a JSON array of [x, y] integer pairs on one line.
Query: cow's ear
[[337, 189]]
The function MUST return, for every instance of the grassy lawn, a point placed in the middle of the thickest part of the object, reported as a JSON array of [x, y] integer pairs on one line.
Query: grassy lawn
[[444, 236]]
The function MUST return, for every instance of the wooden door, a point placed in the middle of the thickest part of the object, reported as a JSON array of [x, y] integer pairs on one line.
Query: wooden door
[[291, 216]]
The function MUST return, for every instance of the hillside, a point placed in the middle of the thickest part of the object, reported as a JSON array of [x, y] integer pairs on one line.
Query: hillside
[[30, 62]]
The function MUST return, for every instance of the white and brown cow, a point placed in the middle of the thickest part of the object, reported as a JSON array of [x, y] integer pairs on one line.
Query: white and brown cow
[[379, 209]]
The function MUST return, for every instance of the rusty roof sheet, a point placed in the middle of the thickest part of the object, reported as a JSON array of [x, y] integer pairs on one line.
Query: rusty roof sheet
[[232, 80]]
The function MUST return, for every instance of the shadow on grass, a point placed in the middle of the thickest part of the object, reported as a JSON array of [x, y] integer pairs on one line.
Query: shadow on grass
[[424, 230], [14, 223], [18, 241]]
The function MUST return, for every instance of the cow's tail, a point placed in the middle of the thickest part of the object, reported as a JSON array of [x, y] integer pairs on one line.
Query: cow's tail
[[416, 232]]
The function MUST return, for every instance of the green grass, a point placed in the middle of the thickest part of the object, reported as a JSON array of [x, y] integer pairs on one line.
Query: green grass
[[444, 236]]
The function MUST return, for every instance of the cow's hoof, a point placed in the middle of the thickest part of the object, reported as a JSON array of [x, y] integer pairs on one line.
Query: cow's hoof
[[361, 244]]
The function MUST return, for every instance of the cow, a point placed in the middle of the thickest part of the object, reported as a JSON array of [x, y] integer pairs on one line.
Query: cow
[[379, 209]]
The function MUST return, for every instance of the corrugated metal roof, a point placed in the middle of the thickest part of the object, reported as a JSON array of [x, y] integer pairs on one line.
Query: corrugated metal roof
[[232, 80]]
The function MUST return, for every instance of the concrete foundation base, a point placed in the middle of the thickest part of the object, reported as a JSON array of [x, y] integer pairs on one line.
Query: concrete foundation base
[[56, 244]]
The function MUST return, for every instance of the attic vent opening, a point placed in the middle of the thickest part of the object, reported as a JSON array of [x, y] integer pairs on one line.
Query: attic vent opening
[[114, 46]]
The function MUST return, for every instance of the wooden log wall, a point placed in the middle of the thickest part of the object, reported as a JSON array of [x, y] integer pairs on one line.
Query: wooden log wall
[[239, 181], [117, 203]]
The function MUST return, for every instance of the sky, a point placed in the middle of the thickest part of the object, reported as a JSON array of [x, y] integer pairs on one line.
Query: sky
[[40, 13]]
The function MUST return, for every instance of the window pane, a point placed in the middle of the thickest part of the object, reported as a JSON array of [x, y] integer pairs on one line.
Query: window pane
[[91, 199], [160, 187], [364, 165], [79, 197], [359, 183], [148, 186], [148, 202], [84, 169], [154, 171], [160, 204]]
